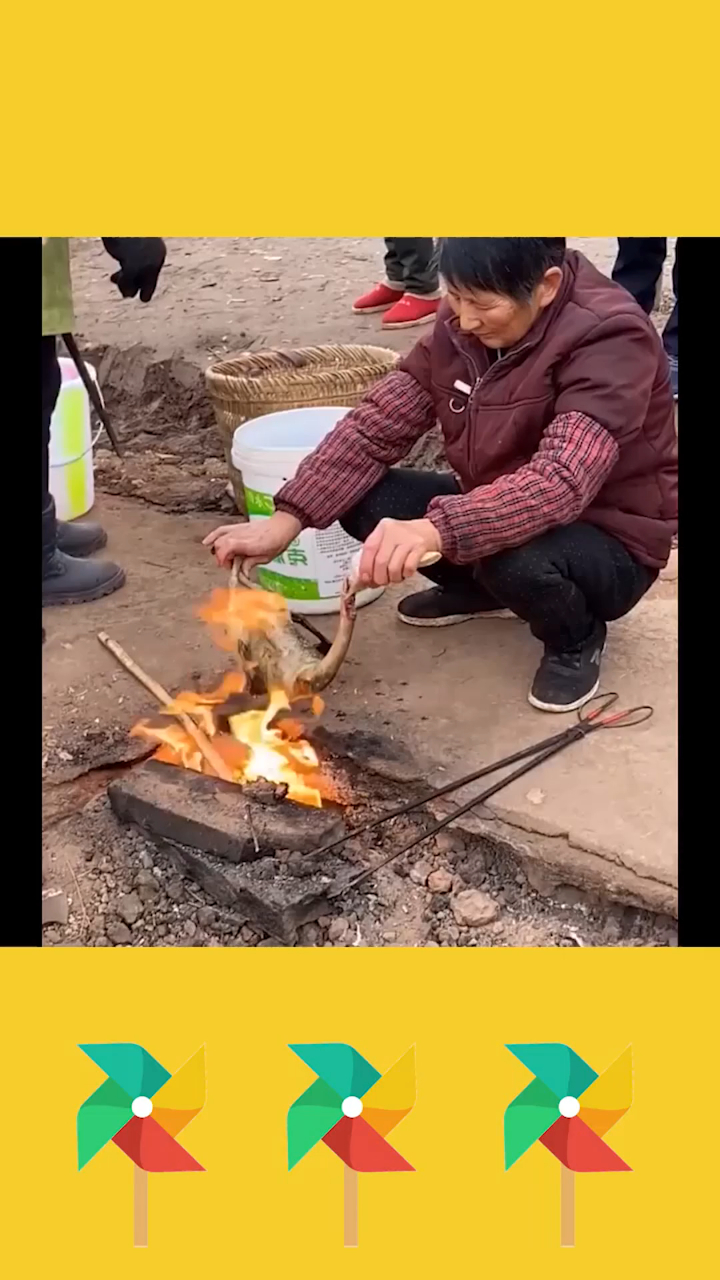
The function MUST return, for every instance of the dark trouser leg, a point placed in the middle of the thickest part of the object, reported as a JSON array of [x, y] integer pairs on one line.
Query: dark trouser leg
[[638, 268], [404, 494], [50, 384], [670, 332], [412, 264], [565, 581], [394, 270]]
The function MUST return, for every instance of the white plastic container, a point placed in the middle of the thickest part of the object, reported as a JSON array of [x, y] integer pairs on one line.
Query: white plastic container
[[268, 451], [72, 483]]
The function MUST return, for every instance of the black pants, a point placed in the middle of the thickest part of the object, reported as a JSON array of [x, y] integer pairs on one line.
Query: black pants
[[560, 583], [50, 382], [638, 268], [412, 264]]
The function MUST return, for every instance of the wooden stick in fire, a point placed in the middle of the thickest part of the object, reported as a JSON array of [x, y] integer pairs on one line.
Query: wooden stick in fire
[[200, 739]]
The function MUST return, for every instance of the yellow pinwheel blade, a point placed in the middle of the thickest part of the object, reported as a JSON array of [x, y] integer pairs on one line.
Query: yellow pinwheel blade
[[608, 1098], [182, 1096], [392, 1096]]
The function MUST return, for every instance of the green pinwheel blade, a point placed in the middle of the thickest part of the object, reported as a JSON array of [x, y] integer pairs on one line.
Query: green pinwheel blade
[[527, 1118], [130, 1066], [310, 1117], [340, 1066], [557, 1065], [100, 1117]]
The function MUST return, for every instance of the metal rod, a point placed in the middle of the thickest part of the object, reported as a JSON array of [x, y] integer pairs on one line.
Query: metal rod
[[458, 812], [568, 734], [92, 391], [324, 645]]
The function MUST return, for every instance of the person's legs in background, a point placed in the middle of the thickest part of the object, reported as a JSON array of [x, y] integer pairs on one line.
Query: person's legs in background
[[418, 262], [410, 295], [638, 268], [66, 578]]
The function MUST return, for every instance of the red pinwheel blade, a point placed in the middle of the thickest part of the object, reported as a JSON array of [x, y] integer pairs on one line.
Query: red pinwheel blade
[[153, 1149], [363, 1149], [578, 1148]]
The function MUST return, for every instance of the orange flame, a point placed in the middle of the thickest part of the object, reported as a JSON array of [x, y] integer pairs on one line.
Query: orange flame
[[254, 748]]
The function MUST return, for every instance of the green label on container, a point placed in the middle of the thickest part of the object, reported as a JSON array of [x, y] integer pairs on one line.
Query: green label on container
[[292, 588], [258, 504]]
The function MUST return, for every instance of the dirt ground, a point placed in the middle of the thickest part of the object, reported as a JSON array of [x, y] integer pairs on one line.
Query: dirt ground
[[217, 297]]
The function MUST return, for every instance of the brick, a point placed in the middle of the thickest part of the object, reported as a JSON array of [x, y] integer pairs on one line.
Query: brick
[[264, 891], [216, 817]]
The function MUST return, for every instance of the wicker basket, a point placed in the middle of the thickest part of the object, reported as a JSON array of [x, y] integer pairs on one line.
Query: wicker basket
[[250, 385]]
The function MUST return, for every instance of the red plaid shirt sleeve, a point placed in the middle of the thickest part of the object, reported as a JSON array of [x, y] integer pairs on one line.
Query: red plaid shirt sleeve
[[573, 460], [359, 450]]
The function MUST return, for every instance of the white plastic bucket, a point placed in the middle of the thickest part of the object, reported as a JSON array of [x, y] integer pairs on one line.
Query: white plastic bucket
[[268, 451], [72, 483]]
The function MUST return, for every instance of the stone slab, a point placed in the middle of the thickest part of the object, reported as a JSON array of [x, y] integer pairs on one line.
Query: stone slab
[[217, 817]]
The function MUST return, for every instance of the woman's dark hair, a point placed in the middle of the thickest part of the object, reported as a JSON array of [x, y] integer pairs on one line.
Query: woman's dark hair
[[508, 265]]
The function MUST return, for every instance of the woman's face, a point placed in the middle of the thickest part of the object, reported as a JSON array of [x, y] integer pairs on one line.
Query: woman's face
[[497, 320]]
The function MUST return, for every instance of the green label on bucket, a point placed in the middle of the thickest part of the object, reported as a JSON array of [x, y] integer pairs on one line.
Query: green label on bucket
[[292, 588], [258, 504]]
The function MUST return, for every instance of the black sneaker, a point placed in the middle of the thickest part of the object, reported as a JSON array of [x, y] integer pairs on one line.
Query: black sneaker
[[567, 680], [79, 537], [445, 606]]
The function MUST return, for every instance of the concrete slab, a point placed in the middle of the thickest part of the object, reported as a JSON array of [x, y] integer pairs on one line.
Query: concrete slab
[[605, 811], [457, 698]]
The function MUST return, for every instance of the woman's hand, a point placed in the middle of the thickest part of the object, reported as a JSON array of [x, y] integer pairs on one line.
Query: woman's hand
[[394, 550], [256, 542]]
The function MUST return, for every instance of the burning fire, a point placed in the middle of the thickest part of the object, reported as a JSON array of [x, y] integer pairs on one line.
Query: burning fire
[[265, 743]]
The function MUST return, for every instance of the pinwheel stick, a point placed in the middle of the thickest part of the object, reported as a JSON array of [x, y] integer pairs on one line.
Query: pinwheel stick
[[140, 1207], [567, 1207], [351, 1207]]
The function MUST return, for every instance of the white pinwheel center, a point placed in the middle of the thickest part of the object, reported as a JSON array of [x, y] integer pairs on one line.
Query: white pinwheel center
[[351, 1106], [568, 1106], [141, 1106]]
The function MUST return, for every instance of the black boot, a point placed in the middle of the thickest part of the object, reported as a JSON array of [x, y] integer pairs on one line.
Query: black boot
[[80, 538], [67, 579]]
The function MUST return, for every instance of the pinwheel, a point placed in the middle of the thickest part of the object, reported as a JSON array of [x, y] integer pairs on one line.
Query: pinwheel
[[141, 1108], [351, 1108], [569, 1108]]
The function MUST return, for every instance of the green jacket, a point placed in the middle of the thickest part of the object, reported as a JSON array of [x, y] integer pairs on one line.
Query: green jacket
[[57, 303]]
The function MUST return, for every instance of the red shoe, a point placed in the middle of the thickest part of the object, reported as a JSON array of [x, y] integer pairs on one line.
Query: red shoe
[[409, 311], [378, 299]]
